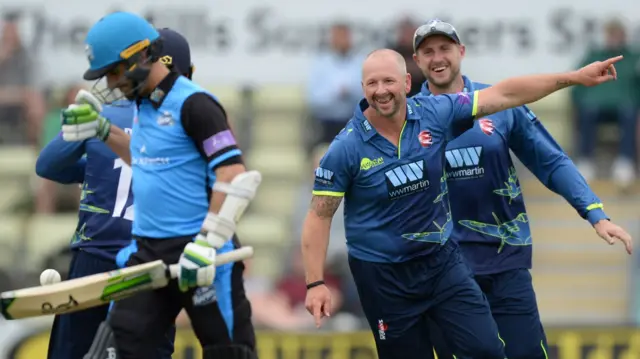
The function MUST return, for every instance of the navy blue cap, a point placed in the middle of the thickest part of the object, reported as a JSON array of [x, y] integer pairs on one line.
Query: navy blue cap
[[175, 53]]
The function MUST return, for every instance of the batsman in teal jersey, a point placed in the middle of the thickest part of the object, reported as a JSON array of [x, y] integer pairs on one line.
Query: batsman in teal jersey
[[490, 221], [388, 164], [190, 187], [102, 239]]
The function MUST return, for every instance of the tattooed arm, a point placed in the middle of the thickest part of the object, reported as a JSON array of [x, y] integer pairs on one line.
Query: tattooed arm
[[518, 91], [315, 235]]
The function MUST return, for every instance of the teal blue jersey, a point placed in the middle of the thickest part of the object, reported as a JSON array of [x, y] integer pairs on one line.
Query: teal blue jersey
[[396, 206], [179, 140]]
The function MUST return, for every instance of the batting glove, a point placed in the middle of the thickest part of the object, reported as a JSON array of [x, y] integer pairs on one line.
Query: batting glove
[[197, 266], [83, 122]]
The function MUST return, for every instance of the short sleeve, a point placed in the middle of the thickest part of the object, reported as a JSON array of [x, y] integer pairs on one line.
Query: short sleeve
[[205, 122], [332, 177], [453, 113]]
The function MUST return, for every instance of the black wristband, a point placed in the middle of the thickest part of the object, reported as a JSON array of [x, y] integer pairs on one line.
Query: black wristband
[[315, 284]]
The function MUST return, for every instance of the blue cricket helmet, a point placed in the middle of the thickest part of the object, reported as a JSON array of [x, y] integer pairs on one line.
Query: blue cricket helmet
[[116, 38]]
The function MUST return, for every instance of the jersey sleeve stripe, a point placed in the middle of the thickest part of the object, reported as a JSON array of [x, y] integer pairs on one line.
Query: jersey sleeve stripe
[[328, 193], [218, 160], [474, 109], [595, 206]]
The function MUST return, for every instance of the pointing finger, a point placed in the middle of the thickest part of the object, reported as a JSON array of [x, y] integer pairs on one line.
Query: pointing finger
[[317, 314], [610, 61]]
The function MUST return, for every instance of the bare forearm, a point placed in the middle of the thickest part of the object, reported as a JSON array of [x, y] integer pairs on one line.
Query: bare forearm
[[518, 91], [224, 174], [118, 142], [315, 240]]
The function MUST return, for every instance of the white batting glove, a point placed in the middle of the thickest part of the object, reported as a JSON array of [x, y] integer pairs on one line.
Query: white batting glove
[[197, 266]]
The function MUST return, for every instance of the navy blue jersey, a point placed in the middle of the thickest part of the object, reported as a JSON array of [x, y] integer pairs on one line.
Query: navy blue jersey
[[490, 219], [104, 219], [180, 138], [396, 206]]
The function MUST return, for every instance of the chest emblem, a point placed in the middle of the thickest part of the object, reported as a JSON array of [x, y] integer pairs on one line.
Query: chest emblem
[[165, 119], [425, 138], [486, 125]]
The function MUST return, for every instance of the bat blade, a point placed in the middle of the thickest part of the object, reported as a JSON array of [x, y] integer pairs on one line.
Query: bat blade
[[82, 293], [98, 289]]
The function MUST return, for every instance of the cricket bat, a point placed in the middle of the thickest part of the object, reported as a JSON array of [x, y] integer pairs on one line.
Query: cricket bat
[[98, 289]]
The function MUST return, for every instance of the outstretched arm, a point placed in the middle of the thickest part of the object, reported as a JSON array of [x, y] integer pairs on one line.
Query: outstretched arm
[[542, 155], [518, 91]]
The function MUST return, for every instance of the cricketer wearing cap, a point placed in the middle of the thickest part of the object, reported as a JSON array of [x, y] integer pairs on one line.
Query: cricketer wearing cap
[[104, 219], [490, 221], [388, 164], [180, 149]]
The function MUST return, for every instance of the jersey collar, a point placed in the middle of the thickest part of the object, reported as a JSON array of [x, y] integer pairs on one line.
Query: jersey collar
[[158, 95], [366, 130], [468, 87]]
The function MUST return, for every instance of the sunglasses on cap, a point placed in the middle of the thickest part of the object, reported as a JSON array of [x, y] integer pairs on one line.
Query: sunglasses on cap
[[434, 27]]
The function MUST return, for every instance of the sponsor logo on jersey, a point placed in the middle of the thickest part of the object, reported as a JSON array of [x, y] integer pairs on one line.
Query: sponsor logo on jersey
[[203, 296], [406, 179], [324, 176], [464, 163], [366, 125], [367, 163]]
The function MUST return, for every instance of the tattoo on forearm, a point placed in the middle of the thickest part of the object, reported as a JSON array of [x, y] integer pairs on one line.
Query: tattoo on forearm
[[490, 109], [560, 84], [325, 206]]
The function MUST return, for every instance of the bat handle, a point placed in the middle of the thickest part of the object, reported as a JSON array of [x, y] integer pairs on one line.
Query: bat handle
[[235, 255]]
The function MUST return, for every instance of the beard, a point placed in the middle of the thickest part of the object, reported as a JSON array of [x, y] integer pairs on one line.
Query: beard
[[443, 81], [387, 109]]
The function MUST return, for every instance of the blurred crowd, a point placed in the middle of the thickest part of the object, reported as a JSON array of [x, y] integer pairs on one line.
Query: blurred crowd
[[29, 115]]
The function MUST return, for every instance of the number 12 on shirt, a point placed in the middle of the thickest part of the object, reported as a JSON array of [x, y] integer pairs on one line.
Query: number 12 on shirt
[[123, 192]]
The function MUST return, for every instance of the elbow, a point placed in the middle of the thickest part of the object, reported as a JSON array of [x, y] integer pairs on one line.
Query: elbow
[[43, 170], [230, 172]]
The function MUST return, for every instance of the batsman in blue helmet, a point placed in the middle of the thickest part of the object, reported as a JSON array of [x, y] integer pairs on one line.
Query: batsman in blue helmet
[[189, 184], [106, 210]]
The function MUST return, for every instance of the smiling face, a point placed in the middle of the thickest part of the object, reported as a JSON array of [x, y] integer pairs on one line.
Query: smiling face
[[385, 82], [439, 58]]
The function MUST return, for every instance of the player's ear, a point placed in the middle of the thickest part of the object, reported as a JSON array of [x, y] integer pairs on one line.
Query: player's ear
[[407, 85], [463, 50]]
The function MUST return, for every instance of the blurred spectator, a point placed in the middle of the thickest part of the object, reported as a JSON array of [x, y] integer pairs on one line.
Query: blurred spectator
[[271, 308], [22, 106], [334, 86], [404, 45], [616, 100], [47, 200]]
